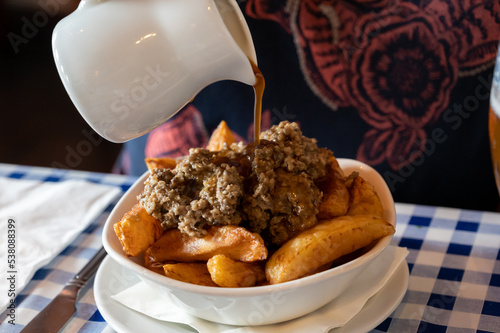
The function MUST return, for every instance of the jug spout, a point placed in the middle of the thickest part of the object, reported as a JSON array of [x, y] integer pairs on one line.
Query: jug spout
[[228, 60], [236, 25]]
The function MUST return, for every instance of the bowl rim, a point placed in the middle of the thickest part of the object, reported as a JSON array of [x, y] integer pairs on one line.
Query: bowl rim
[[113, 247]]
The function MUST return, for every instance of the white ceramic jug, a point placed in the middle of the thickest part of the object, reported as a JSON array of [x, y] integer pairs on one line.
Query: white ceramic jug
[[129, 65]]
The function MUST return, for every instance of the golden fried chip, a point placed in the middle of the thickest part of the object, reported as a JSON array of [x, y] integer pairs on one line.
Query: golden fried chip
[[196, 273], [324, 243], [363, 197], [137, 230], [160, 163], [220, 136], [335, 194], [157, 267], [229, 273], [235, 242]]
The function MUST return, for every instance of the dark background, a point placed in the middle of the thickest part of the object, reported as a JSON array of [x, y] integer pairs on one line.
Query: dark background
[[39, 124]]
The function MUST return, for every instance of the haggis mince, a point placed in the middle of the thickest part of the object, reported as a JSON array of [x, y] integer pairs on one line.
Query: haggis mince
[[269, 188]]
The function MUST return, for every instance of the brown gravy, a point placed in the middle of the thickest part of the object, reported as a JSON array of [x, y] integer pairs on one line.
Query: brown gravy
[[258, 89]]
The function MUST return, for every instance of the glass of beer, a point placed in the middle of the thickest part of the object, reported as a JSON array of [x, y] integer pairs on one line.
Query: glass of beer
[[494, 121]]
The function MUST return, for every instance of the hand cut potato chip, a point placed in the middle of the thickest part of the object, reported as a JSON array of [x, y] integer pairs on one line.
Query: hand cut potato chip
[[235, 242], [229, 273], [221, 135], [335, 194], [324, 243], [363, 198], [196, 273], [137, 230], [160, 162]]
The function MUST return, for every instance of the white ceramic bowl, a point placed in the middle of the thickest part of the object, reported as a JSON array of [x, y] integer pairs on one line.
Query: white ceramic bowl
[[260, 305]]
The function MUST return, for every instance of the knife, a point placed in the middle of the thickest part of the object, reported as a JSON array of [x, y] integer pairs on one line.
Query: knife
[[57, 313]]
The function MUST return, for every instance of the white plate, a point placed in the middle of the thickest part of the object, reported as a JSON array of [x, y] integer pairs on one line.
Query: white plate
[[112, 278]]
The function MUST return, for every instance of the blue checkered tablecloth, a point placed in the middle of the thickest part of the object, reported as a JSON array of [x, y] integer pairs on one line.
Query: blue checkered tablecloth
[[454, 265]]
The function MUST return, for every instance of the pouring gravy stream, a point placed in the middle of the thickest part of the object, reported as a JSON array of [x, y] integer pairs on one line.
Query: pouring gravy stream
[[258, 89]]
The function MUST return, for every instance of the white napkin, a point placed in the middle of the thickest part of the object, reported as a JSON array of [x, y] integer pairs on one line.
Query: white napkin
[[140, 297], [46, 217]]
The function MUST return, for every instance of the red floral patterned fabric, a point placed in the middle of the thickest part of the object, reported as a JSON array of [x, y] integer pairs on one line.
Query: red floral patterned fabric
[[396, 62], [175, 137]]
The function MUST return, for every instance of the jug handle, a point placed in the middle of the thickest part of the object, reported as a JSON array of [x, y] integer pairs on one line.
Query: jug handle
[[86, 3]]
